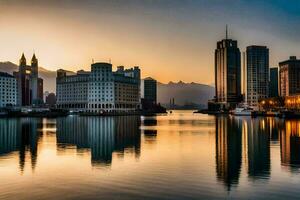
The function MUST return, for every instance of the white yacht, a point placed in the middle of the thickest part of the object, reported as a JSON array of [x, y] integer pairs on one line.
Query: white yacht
[[242, 111]]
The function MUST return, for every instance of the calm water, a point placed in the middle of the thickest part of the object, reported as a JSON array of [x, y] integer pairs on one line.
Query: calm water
[[179, 156]]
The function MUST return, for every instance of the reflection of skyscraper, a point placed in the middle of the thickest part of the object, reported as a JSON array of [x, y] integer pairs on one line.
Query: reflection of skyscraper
[[258, 148], [20, 135], [102, 135], [290, 145], [228, 150]]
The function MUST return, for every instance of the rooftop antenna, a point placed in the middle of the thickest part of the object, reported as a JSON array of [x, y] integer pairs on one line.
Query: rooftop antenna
[[110, 61], [92, 60], [226, 31]]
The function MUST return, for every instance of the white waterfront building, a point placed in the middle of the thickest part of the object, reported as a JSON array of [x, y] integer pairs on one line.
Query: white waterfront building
[[8, 90], [100, 90]]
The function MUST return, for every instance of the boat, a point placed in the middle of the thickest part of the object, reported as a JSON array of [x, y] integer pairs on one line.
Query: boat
[[272, 114], [242, 111]]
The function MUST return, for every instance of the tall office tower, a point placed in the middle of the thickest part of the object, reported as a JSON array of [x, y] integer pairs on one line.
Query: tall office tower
[[273, 91], [289, 81], [257, 74], [228, 73]]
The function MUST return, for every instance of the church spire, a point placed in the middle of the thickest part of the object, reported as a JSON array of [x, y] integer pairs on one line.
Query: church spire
[[23, 60], [33, 57]]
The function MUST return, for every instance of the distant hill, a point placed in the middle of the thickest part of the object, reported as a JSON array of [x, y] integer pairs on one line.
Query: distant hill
[[48, 76], [184, 93]]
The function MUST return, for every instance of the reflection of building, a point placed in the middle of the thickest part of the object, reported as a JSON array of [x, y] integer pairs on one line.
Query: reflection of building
[[30, 86], [102, 136], [99, 90], [20, 135], [289, 81], [257, 74], [273, 91], [149, 131], [228, 150], [228, 72], [290, 144], [8, 90], [258, 148]]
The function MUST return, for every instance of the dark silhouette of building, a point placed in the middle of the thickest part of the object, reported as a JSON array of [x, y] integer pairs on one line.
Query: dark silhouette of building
[[228, 73], [273, 91], [150, 90], [30, 86], [228, 150], [51, 99], [257, 74], [289, 81], [40, 91]]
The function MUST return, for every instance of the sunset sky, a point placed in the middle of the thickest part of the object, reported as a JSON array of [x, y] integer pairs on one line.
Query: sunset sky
[[170, 40]]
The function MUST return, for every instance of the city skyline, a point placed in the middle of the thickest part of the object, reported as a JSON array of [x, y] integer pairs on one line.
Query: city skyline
[[144, 33]]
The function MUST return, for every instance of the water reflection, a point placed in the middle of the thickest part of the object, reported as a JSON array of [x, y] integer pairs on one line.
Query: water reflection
[[20, 135], [242, 154], [290, 145], [150, 133], [228, 150], [258, 143], [102, 136]]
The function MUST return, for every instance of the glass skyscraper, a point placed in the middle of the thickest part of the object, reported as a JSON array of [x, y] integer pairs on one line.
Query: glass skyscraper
[[228, 73], [257, 74]]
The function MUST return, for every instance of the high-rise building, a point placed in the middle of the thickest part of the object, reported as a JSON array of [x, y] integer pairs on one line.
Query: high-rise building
[[257, 74], [29, 84], [150, 90], [273, 91], [8, 90], [100, 90], [289, 80], [228, 73]]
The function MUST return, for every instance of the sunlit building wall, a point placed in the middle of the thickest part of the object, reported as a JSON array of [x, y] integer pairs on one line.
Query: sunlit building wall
[[289, 80], [228, 72], [100, 90], [8, 90]]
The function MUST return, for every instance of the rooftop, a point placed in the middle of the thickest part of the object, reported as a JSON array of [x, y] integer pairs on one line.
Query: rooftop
[[4, 74]]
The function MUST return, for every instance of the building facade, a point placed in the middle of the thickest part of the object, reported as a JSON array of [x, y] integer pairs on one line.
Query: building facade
[[100, 90], [289, 77], [228, 73], [30, 86], [8, 90], [72, 89], [257, 74], [273, 91]]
